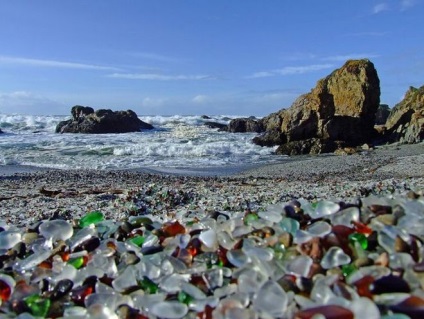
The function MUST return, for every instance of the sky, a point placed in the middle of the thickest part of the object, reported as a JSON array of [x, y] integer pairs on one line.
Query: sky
[[193, 57]]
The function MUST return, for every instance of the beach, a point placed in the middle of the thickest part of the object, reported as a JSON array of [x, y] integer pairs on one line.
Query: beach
[[178, 203], [28, 193]]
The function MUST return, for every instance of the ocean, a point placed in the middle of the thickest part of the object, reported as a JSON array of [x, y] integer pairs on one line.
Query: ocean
[[177, 144]]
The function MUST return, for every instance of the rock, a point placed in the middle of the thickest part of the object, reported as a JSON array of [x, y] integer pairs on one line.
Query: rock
[[382, 114], [270, 138], [405, 123], [86, 120], [1, 131], [243, 125], [339, 110], [216, 125]]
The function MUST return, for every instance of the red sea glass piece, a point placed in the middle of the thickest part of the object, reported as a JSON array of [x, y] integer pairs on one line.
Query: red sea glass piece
[[363, 286], [412, 306], [328, 311], [173, 229], [362, 228], [79, 294], [5, 291]]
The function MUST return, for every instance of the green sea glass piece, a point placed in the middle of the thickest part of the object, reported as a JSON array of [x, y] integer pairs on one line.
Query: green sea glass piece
[[359, 238], [148, 286], [348, 269], [249, 218], [289, 225], [137, 240], [91, 218], [77, 262], [38, 305], [184, 297]]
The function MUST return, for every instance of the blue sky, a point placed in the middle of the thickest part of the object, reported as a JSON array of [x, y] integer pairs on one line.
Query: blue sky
[[240, 57]]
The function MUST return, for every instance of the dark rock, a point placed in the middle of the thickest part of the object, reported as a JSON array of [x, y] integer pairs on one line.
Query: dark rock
[[309, 146], [382, 114], [1, 131], [270, 138], [340, 110], [405, 123], [243, 125], [205, 117], [86, 120], [216, 125]]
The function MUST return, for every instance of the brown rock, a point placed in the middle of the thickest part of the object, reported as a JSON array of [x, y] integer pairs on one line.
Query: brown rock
[[341, 107], [86, 120], [406, 120]]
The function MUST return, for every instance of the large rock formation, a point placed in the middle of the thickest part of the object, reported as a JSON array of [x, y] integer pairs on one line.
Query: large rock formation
[[406, 120], [86, 120], [339, 111]]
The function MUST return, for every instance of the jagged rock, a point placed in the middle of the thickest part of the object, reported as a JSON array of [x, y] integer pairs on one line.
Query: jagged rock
[[216, 125], [270, 138], [340, 109], [243, 125], [382, 114], [86, 120], [406, 120], [308, 146]]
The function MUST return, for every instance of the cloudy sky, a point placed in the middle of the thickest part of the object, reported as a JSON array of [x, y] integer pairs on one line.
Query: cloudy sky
[[245, 57]]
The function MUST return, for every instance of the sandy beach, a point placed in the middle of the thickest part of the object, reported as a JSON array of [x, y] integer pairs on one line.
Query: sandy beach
[[28, 195]]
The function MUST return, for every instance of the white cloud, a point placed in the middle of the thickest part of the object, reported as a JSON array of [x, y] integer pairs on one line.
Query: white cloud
[[380, 7], [353, 56], [23, 102], [200, 99], [159, 77], [52, 63], [290, 70], [406, 4]]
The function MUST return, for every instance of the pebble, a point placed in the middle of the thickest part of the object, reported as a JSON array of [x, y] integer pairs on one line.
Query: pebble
[[170, 255]]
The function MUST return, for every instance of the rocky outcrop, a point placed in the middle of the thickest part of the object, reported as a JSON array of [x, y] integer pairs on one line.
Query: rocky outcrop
[[217, 125], [339, 111], [405, 123], [382, 114], [86, 120], [1, 131], [244, 125]]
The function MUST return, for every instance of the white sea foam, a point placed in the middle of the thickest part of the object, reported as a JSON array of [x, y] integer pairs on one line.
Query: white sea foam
[[177, 141]]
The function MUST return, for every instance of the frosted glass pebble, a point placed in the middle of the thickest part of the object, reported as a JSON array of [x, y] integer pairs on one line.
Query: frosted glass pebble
[[75, 312], [334, 257], [272, 216], [300, 265], [125, 280], [192, 290], [301, 237], [214, 278], [289, 225], [346, 216], [33, 260], [56, 229], [9, 238], [208, 238], [325, 208], [237, 257], [319, 229], [364, 308], [169, 309], [271, 299]]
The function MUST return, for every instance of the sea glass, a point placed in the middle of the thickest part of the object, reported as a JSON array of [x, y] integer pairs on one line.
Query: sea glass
[[38, 305], [91, 218], [359, 238]]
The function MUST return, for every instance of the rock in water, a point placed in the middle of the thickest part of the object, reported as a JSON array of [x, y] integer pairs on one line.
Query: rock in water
[[339, 111], [406, 120], [86, 120]]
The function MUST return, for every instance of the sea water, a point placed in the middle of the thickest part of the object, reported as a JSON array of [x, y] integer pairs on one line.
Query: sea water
[[177, 142]]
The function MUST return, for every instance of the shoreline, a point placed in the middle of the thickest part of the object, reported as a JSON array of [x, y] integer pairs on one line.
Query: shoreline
[[30, 195], [281, 215]]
